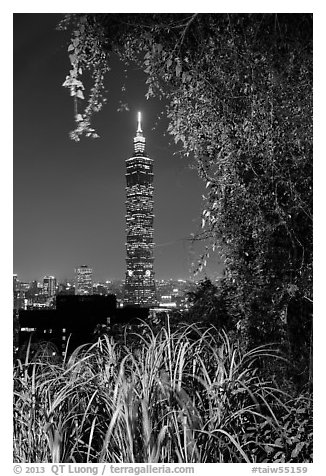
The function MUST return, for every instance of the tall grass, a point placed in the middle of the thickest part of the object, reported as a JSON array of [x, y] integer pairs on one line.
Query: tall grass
[[184, 396]]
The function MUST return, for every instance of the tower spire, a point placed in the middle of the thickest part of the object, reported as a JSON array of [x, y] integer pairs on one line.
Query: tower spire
[[139, 129], [139, 139]]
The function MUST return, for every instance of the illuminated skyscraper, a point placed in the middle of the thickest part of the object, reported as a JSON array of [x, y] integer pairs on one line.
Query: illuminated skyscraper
[[84, 280], [139, 283], [49, 286], [19, 294]]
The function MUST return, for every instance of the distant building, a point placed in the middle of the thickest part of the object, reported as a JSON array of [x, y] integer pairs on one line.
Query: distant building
[[18, 294], [84, 280], [139, 282], [100, 288], [15, 291], [68, 287], [15, 282], [34, 289], [173, 293], [49, 286]]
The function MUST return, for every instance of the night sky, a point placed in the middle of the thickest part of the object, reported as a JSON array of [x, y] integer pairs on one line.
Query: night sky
[[69, 198]]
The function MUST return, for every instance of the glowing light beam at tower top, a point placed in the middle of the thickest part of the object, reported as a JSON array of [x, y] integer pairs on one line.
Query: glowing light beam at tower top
[[139, 129]]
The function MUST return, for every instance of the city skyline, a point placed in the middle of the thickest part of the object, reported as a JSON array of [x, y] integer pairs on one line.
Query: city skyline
[[69, 197], [72, 280]]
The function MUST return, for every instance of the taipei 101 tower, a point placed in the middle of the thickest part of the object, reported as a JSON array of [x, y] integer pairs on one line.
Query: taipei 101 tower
[[139, 283]]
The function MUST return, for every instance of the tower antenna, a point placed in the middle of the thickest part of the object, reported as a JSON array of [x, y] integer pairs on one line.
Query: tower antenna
[[139, 129]]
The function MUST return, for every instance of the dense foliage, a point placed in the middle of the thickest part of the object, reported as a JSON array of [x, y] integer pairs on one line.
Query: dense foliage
[[238, 89], [166, 397]]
